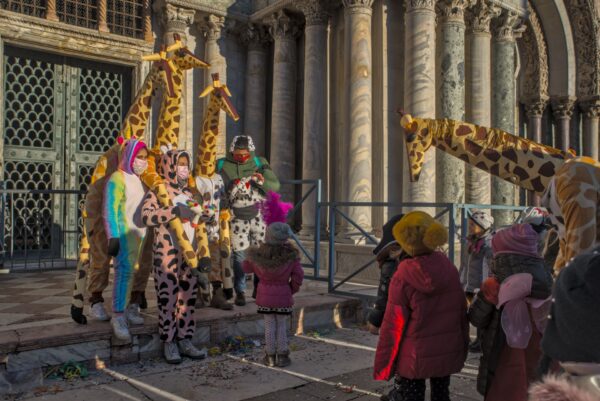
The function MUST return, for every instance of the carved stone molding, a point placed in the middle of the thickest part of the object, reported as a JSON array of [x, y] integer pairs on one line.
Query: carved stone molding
[[359, 6], [283, 27], [508, 27], [411, 5], [255, 36], [535, 108], [212, 26], [562, 107], [481, 15], [586, 32], [177, 19], [316, 12], [453, 10], [534, 54], [591, 108]]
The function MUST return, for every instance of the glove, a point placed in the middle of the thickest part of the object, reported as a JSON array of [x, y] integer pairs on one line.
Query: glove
[[202, 279], [490, 289], [77, 315], [184, 212], [113, 247]]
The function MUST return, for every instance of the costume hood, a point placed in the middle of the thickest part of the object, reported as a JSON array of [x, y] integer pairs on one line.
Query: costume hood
[[168, 163], [130, 150]]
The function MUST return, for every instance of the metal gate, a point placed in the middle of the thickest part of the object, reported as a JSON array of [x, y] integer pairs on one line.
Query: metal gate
[[60, 114]]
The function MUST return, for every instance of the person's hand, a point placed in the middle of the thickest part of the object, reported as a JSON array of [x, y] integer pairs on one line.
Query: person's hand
[[258, 177], [113, 247], [490, 288], [372, 329], [184, 212], [202, 278], [77, 315]]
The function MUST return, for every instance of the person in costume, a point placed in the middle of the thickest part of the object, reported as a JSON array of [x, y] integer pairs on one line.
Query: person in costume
[[572, 333], [247, 179], [510, 310], [125, 231], [388, 253], [425, 332], [175, 281], [277, 264]]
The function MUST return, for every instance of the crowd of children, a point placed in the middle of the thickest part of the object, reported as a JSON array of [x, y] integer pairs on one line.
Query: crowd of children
[[539, 339]]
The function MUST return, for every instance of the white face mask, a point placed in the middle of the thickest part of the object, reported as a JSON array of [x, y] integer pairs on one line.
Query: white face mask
[[139, 166]]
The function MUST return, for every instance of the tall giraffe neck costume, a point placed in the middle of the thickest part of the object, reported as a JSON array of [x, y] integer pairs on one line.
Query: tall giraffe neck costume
[[210, 184], [571, 185]]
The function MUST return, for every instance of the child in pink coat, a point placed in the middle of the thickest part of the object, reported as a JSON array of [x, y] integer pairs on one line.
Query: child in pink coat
[[277, 264]]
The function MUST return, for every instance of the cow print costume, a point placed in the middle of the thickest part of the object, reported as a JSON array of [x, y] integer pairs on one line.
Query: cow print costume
[[246, 231]]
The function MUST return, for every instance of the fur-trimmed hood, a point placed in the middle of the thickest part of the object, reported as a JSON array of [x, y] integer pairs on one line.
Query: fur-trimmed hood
[[273, 256], [560, 388]]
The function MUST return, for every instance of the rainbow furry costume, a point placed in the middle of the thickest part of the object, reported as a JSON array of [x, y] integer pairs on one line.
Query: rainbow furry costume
[[123, 220]]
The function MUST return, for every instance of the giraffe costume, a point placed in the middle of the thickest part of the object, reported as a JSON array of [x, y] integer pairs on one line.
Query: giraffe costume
[[214, 235], [570, 185]]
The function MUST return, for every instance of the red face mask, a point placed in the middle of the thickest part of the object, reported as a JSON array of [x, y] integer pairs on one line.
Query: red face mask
[[241, 158]]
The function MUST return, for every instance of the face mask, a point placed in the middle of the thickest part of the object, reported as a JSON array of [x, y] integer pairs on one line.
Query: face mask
[[139, 166], [183, 173], [241, 158]]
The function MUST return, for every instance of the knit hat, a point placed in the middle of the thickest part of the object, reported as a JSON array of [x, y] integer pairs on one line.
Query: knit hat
[[482, 219], [533, 215], [242, 142], [573, 328], [277, 233], [388, 237], [519, 238], [418, 233]]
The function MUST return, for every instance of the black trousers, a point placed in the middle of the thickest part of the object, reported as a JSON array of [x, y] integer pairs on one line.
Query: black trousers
[[414, 389]]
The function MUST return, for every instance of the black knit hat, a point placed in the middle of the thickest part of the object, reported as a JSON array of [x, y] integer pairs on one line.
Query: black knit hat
[[388, 237], [573, 331]]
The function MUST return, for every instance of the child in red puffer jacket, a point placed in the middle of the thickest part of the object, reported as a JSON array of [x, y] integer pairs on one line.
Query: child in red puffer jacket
[[425, 332]]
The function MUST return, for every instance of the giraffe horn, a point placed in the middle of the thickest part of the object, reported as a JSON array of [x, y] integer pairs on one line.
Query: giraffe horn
[[151, 57], [226, 89], [175, 46], [207, 91]]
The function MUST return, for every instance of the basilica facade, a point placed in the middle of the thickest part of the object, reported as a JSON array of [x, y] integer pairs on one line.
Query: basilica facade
[[316, 83]]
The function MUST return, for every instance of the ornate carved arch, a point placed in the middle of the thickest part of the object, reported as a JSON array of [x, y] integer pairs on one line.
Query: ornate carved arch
[[534, 57], [586, 31]]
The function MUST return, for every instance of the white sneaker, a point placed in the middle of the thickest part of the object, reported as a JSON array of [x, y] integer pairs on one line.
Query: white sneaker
[[98, 312], [120, 329], [133, 315]]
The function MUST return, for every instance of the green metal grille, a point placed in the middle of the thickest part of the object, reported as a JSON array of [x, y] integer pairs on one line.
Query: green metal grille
[[36, 8], [126, 17], [29, 102], [83, 13]]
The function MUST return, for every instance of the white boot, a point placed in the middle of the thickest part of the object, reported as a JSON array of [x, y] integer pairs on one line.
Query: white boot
[[120, 329], [171, 353], [98, 312], [133, 315]]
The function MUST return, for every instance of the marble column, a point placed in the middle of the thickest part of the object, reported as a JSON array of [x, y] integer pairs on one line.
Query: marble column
[[480, 93], [535, 111], [255, 105], [314, 135], [359, 140], [419, 88], [284, 30], [562, 110], [176, 21], [450, 187], [591, 122], [503, 102], [213, 28]]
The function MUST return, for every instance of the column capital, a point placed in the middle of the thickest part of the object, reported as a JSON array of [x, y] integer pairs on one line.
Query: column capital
[[212, 26], [282, 26], [411, 5], [316, 12], [536, 107], [482, 13], [562, 107], [591, 108], [177, 19], [453, 10], [358, 6], [255, 36], [508, 27]]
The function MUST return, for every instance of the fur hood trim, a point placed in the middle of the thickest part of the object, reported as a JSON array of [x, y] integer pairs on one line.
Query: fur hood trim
[[273, 256], [559, 388]]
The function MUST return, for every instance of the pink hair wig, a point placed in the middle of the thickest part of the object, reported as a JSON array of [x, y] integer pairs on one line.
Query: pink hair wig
[[273, 209]]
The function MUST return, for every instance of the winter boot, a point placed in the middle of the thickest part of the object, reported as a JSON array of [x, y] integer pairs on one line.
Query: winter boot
[[240, 299], [218, 300], [171, 353], [283, 359], [186, 348], [270, 360]]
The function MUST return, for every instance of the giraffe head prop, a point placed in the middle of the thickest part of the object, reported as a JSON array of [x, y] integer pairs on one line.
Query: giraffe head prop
[[165, 65], [220, 93], [418, 141], [184, 58]]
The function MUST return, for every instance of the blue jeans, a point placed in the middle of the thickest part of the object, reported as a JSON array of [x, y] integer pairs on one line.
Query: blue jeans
[[239, 277]]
